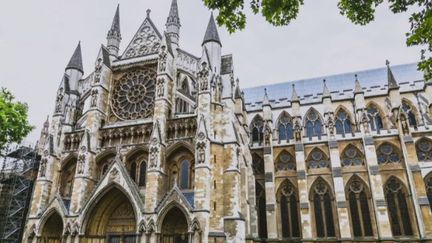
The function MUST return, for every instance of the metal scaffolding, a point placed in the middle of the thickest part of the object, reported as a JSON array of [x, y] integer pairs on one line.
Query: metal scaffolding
[[18, 171]]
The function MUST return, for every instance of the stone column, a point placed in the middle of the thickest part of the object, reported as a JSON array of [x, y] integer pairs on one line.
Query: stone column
[[377, 190]]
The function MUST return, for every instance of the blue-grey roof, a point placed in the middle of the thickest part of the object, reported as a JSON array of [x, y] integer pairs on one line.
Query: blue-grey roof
[[341, 86]]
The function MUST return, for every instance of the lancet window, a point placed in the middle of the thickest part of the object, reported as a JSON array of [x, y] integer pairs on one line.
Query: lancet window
[[257, 129], [285, 127], [343, 123], [323, 209], [289, 210], [313, 125], [358, 198]]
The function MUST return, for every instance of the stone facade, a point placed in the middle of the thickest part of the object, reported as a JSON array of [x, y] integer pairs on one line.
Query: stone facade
[[159, 145]]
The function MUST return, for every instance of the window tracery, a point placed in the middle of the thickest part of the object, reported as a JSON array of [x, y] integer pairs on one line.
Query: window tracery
[[257, 129], [359, 208], [352, 156], [318, 159], [375, 119], [388, 154], [343, 123], [323, 209], [285, 162], [399, 213], [289, 210], [313, 125], [424, 149], [261, 210], [257, 165], [285, 128], [408, 110], [133, 95]]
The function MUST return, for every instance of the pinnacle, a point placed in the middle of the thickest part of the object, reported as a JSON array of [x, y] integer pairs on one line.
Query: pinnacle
[[211, 32], [76, 60], [392, 84], [173, 17]]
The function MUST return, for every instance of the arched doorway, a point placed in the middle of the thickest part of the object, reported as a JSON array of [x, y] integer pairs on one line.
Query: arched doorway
[[174, 227], [53, 229], [112, 219]]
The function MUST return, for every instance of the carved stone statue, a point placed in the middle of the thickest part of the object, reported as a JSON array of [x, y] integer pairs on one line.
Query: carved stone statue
[[330, 125], [153, 157], [203, 77], [297, 130], [98, 70], [94, 98], [267, 134], [201, 152], [43, 165], [404, 124], [160, 87], [365, 122], [162, 59], [59, 100], [81, 164]]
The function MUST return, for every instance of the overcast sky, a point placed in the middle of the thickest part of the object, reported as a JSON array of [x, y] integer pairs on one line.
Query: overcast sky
[[37, 39]]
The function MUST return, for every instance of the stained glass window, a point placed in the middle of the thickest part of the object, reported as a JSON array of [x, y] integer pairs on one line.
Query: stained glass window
[[285, 126], [352, 156], [323, 210], [424, 149], [142, 174], [313, 125], [388, 154], [396, 198], [359, 208], [343, 123], [184, 174], [318, 159], [285, 162], [289, 213], [257, 129]]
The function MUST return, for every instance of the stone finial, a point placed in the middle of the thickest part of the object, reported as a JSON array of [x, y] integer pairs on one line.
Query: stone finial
[[148, 11]]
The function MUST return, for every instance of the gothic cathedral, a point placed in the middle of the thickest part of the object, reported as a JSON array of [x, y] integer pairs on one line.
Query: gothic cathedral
[[158, 145]]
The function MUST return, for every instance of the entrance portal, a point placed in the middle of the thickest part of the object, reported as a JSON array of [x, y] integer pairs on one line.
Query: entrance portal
[[112, 220], [53, 229], [174, 227]]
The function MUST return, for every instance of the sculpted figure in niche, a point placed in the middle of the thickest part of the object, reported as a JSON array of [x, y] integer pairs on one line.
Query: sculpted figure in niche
[[267, 133], [201, 152], [297, 130], [81, 163], [42, 166], [330, 124], [98, 70], [365, 122], [59, 100], [153, 157], [404, 124], [160, 87], [162, 59], [203, 77], [94, 97]]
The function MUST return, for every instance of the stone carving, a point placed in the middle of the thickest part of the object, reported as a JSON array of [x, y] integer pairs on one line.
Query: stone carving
[[297, 130], [98, 70], [267, 134], [201, 156], [59, 100], [331, 125], [43, 165], [81, 164], [365, 122], [162, 59], [404, 124], [203, 77], [160, 87], [94, 97], [145, 42], [153, 157], [133, 95], [114, 173]]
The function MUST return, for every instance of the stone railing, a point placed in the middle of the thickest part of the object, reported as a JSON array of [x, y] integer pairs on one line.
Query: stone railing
[[181, 128], [72, 140], [138, 134]]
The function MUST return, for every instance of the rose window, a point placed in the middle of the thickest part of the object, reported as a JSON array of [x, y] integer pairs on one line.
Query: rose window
[[133, 95]]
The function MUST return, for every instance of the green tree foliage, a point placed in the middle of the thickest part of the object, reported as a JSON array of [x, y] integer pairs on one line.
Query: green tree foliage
[[361, 12], [14, 125]]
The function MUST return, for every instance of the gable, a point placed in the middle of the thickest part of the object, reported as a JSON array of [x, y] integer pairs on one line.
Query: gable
[[146, 41]]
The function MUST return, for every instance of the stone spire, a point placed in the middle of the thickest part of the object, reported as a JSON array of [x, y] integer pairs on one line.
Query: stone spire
[[358, 88], [211, 34], [392, 84], [76, 60], [294, 96], [326, 91], [173, 23], [114, 35]]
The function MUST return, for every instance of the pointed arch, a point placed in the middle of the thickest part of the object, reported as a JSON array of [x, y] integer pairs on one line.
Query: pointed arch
[[103, 162], [166, 210], [352, 156], [322, 201], [289, 209], [285, 127], [428, 184], [388, 153], [52, 226], [399, 205], [317, 159], [285, 161], [257, 129], [180, 163], [136, 163], [376, 116], [411, 112], [313, 123], [67, 176], [174, 224], [343, 121], [46, 215], [424, 149], [359, 200]]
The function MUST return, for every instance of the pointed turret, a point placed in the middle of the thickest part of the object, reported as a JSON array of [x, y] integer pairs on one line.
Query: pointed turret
[[358, 88], [326, 91], [211, 34], [392, 84], [76, 60], [294, 96], [173, 24], [114, 35]]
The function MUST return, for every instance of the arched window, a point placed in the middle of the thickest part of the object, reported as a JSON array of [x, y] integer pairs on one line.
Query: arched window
[[375, 118], [397, 201], [359, 206], [289, 210], [285, 162], [285, 127], [261, 208], [318, 159], [424, 149], [343, 123], [388, 154], [185, 175], [257, 165], [352, 156], [67, 178], [428, 184], [313, 125], [133, 171], [257, 129], [142, 174], [407, 109], [323, 209]]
